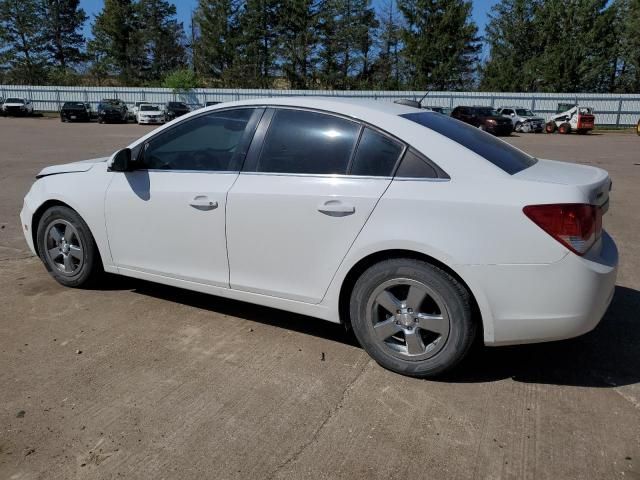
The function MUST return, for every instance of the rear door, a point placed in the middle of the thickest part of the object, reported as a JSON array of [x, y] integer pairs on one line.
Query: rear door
[[310, 182]]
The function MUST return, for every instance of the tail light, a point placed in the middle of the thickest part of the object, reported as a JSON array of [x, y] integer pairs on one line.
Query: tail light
[[575, 225]]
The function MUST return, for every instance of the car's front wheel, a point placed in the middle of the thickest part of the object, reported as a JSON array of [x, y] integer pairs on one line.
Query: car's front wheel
[[67, 247], [412, 317]]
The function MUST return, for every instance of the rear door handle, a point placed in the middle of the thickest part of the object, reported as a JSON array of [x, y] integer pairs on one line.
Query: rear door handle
[[336, 208], [202, 202]]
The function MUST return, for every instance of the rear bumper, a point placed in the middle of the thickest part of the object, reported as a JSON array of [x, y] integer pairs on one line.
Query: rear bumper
[[539, 303]]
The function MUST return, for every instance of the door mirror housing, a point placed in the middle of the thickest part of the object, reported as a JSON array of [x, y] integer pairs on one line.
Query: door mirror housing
[[121, 161]]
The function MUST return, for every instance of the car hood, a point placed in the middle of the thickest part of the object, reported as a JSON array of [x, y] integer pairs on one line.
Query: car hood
[[535, 117], [149, 112], [82, 166]]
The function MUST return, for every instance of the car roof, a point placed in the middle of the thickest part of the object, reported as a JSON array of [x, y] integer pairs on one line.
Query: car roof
[[354, 107]]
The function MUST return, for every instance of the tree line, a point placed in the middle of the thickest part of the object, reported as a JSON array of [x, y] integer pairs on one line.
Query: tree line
[[529, 45]]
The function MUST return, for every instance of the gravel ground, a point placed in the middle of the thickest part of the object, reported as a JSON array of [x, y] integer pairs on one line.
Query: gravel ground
[[137, 380]]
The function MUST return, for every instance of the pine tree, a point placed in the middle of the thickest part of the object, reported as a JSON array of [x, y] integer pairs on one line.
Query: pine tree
[[215, 37], [257, 44], [163, 38], [628, 71], [346, 28], [386, 68], [514, 43], [575, 40], [298, 30], [118, 44], [441, 44], [22, 40], [62, 24]]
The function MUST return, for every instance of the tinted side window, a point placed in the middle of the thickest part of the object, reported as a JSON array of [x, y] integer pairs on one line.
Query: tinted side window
[[500, 153], [376, 155], [414, 166], [307, 143], [214, 142]]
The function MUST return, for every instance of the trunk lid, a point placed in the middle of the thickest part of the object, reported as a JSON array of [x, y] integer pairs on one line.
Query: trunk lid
[[593, 181]]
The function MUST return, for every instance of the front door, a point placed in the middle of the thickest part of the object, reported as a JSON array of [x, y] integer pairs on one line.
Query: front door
[[167, 217]]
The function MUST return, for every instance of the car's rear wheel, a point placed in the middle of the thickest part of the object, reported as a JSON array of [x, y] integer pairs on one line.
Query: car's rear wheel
[[412, 317], [67, 247]]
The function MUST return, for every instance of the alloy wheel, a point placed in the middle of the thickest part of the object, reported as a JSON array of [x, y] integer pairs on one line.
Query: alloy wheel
[[64, 249]]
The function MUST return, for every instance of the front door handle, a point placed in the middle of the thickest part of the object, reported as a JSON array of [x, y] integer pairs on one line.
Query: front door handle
[[202, 202], [336, 208]]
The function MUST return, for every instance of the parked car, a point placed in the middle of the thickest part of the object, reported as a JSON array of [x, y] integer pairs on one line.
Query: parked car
[[75, 112], [17, 106], [149, 114], [523, 119], [175, 109], [133, 112], [112, 110], [417, 230], [484, 118]]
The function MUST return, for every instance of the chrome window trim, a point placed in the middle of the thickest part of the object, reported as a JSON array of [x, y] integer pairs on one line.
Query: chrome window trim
[[319, 175]]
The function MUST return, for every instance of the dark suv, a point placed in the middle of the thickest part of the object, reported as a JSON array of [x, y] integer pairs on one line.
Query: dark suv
[[485, 118], [175, 109], [75, 111], [111, 110]]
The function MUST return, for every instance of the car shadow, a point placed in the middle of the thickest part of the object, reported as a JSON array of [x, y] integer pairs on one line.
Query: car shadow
[[606, 357]]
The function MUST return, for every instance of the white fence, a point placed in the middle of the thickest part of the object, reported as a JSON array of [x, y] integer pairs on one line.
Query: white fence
[[610, 109]]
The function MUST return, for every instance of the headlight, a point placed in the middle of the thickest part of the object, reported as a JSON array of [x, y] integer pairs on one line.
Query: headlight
[[491, 121]]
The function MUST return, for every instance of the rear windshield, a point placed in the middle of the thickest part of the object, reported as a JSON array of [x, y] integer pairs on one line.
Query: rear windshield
[[500, 153], [73, 105], [14, 100]]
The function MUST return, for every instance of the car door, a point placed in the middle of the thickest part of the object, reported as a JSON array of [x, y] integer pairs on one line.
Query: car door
[[167, 216], [304, 195]]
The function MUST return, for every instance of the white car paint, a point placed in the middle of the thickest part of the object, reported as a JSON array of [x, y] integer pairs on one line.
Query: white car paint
[[24, 104], [149, 114], [283, 253]]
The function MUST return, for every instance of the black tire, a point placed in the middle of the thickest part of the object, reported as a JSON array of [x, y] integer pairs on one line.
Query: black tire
[[550, 127], [564, 128], [86, 263], [446, 297]]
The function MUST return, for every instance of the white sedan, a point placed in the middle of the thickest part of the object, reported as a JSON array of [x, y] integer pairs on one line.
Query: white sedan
[[416, 230], [149, 114]]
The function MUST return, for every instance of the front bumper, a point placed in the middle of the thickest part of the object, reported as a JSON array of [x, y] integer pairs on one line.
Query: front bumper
[[151, 121], [499, 129], [26, 217], [538, 303]]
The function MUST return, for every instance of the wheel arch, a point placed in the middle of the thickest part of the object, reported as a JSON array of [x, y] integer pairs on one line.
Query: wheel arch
[[361, 265], [39, 212]]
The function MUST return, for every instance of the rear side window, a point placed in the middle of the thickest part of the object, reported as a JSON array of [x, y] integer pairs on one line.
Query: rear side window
[[307, 143], [376, 156], [501, 154], [414, 166]]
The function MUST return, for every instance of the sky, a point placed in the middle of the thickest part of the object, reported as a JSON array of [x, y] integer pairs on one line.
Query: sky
[[481, 10]]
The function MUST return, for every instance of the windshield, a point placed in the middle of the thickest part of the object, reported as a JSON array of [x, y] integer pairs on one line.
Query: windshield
[[14, 100], [148, 108], [487, 112], [523, 112], [177, 105], [500, 153]]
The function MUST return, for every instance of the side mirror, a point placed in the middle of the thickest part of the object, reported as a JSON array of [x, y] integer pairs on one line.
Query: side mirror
[[513, 114], [121, 161]]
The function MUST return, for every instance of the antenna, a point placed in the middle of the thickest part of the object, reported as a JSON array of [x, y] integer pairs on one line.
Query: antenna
[[423, 97]]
